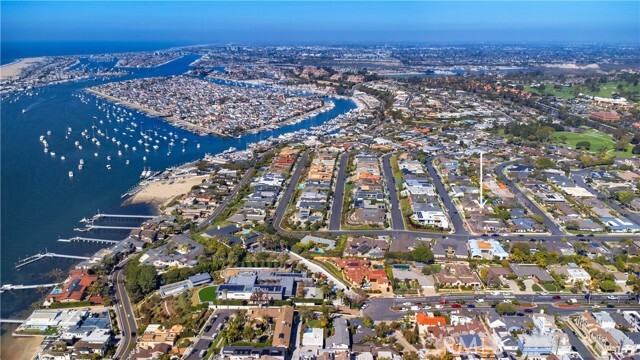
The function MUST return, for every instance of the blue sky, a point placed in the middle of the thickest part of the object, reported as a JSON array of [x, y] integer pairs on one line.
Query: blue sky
[[335, 22]]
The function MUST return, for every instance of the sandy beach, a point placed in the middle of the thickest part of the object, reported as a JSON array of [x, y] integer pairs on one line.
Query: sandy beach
[[160, 192], [20, 348], [12, 70]]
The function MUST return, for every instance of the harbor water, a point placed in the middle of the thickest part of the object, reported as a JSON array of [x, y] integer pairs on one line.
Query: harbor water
[[41, 202]]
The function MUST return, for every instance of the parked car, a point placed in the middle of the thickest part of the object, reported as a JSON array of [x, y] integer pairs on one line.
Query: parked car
[[456, 306], [471, 306], [544, 293], [556, 297]]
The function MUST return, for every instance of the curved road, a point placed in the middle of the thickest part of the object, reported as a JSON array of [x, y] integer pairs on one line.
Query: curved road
[[124, 314]]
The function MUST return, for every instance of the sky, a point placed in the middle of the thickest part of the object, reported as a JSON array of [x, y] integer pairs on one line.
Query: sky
[[305, 22]]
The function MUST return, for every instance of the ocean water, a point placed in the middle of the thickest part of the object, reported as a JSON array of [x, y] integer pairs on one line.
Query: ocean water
[[41, 203], [12, 50]]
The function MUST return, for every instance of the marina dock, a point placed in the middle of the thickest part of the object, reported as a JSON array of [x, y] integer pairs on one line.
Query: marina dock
[[91, 240], [116, 216], [36, 257], [8, 287], [105, 227]]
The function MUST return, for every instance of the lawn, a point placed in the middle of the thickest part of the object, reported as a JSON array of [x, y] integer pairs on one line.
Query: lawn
[[567, 92], [208, 294], [597, 139], [536, 288], [550, 287]]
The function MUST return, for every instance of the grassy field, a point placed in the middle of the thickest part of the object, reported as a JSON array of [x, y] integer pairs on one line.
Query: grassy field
[[597, 139], [208, 294], [567, 92]]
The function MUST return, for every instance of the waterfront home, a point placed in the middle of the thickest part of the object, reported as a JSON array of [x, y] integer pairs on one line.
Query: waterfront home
[[74, 289], [180, 251]]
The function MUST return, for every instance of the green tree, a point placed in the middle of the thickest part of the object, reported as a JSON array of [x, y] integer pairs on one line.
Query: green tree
[[625, 197], [423, 254], [505, 308], [583, 145], [607, 286], [544, 163]]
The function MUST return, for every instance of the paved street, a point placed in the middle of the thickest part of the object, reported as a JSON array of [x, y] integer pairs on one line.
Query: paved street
[[579, 178], [397, 220], [124, 313], [289, 191], [579, 346], [230, 197], [338, 194], [379, 309], [456, 219], [204, 341], [523, 199]]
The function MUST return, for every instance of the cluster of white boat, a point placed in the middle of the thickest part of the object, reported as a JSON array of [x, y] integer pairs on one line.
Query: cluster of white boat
[[115, 114]]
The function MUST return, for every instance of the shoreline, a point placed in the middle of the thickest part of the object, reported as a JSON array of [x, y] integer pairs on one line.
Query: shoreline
[[20, 347], [202, 131], [14, 69]]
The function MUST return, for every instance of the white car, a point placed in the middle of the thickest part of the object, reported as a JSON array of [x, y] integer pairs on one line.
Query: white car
[[479, 300], [544, 293], [506, 301], [438, 306], [406, 303], [426, 307], [403, 309], [415, 308], [611, 297], [595, 306], [495, 293]]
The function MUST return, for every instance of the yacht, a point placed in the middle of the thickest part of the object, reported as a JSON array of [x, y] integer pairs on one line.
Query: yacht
[[108, 167], [127, 162], [70, 173], [80, 166], [63, 158], [109, 158], [119, 153], [48, 132], [81, 162], [95, 154], [144, 158], [53, 154]]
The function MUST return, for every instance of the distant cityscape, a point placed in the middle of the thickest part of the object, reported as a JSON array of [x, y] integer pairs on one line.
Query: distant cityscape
[[455, 202]]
